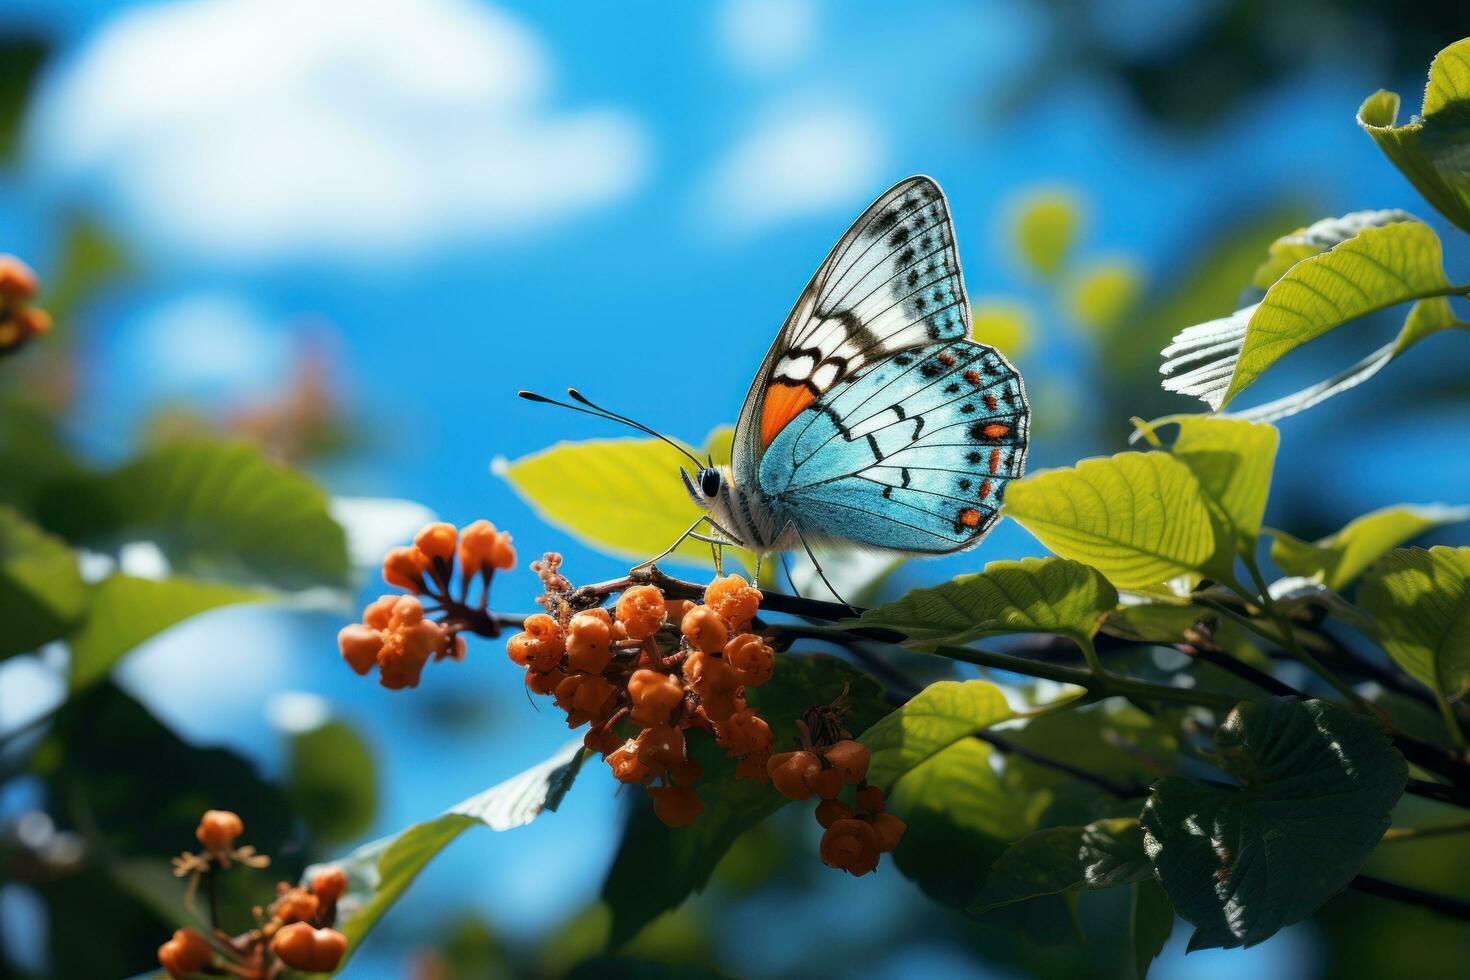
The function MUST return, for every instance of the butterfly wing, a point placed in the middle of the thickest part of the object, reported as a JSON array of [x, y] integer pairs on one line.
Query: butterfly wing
[[891, 283], [912, 453]]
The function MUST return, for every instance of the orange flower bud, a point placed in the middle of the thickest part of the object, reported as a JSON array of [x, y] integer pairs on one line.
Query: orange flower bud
[[539, 646], [674, 610], [676, 806], [544, 683], [437, 540], [654, 697], [734, 600], [405, 568], [850, 845], [301, 947], [705, 630], [794, 774], [186, 953], [660, 747], [687, 773], [483, 549], [752, 659], [297, 905], [753, 767], [626, 766], [641, 611], [870, 799], [218, 829], [744, 733], [602, 740], [379, 613], [710, 676], [329, 884], [503, 553], [359, 645], [33, 321], [589, 639], [850, 758], [830, 811], [888, 829], [828, 784], [18, 283]]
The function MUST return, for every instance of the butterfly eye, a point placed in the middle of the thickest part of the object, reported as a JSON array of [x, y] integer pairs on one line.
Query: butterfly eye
[[709, 482]]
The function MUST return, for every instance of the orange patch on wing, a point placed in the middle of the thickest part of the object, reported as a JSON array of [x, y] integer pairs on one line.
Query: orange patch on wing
[[970, 517], [972, 376], [985, 490], [994, 460], [996, 430], [991, 402], [783, 403]]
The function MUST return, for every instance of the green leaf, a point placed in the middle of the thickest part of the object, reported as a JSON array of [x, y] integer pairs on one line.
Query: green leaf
[[1377, 268], [123, 611], [1316, 238], [21, 58], [1420, 604], [1429, 148], [1102, 854], [332, 781], [378, 873], [621, 496], [1104, 293], [1112, 853], [686, 856], [33, 454], [1033, 595], [934, 719], [1139, 518], [1045, 230], [1232, 461], [41, 591], [217, 509], [1150, 923], [1318, 783], [1338, 559]]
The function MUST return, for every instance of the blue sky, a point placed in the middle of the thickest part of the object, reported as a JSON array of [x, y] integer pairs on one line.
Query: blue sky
[[468, 199]]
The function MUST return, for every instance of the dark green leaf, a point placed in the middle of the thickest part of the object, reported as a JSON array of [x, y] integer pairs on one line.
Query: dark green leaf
[[123, 611], [33, 455], [1150, 923], [216, 509], [1112, 853], [1043, 863], [331, 778], [1318, 783], [41, 591]]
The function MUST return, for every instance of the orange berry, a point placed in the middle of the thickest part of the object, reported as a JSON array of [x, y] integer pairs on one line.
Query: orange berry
[[405, 568], [676, 806], [710, 676], [379, 612], [218, 829], [828, 784], [407, 645], [687, 772], [718, 708], [830, 811], [734, 600], [660, 747], [626, 766], [33, 320], [585, 697], [437, 540], [186, 953], [476, 544], [794, 774], [601, 740], [850, 845], [12, 333], [329, 884], [502, 552], [850, 758], [301, 947], [888, 829], [17, 281], [654, 697], [705, 630], [589, 639], [745, 733], [674, 610], [539, 646], [870, 799], [544, 683], [297, 905], [752, 659], [359, 645], [641, 611]]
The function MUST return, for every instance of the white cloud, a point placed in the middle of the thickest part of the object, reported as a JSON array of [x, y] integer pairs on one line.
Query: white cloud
[[277, 128], [764, 36], [808, 157], [209, 344]]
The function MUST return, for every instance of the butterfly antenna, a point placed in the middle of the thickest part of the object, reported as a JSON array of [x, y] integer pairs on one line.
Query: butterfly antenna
[[597, 411]]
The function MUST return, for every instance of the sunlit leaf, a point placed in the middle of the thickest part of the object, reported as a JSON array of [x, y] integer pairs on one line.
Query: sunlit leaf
[[123, 611], [1317, 781], [1102, 854], [41, 591], [1420, 605], [622, 496], [1007, 325], [1430, 147], [1233, 461], [1317, 237], [1338, 559], [1104, 293], [216, 509], [1033, 595], [331, 778], [1150, 923], [1112, 853], [932, 720], [1045, 229], [1139, 518]]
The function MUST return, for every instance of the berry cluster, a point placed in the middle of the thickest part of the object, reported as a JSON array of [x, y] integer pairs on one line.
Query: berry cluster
[[19, 321], [295, 930], [397, 634], [855, 834], [656, 667]]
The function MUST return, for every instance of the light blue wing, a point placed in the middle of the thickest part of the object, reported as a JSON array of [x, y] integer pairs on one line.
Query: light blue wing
[[911, 454]]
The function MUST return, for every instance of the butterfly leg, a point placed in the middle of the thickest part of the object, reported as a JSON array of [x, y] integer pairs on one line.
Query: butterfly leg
[[823, 575], [689, 532]]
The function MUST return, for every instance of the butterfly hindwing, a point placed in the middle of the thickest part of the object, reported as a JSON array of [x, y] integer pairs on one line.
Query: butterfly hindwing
[[891, 283], [913, 453]]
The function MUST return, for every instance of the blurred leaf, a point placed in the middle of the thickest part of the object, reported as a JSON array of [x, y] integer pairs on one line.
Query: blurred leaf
[[1033, 595], [1045, 229], [932, 720], [1430, 148], [1139, 518], [331, 778], [632, 968], [621, 496], [123, 612], [1420, 604], [1104, 293], [378, 873], [1318, 784], [217, 509], [1006, 325], [33, 454], [1150, 923], [90, 259], [21, 59], [1318, 237], [1341, 557], [41, 591], [686, 856], [1233, 461]]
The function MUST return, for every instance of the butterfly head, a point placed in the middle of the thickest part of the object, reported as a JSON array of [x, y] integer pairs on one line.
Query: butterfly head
[[705, 486]]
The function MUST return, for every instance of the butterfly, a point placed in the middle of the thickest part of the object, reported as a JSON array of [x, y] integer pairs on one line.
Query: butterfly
[[874, 419]]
